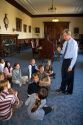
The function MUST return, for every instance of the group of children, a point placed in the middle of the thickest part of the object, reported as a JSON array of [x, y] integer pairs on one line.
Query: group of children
[[38, 80]]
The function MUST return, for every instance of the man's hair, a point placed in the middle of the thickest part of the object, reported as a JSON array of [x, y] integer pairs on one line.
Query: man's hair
[[67, 31]]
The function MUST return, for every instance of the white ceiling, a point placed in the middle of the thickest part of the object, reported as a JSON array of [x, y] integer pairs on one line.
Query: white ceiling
[[40, 7]]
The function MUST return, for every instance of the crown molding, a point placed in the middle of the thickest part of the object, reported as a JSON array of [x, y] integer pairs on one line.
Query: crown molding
[[18, 6], [58, 15]]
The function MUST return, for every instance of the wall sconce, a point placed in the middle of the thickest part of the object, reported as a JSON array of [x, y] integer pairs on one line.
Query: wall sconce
[[13, 29], [0, 27], [6, 21]]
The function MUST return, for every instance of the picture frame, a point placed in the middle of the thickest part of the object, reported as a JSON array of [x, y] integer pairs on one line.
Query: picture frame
[[18, 24], [29, 29], [37, 30], [24, 27], [76, 30]]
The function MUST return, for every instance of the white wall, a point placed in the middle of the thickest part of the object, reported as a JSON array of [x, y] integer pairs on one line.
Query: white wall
[[12, 12], [74, 22]]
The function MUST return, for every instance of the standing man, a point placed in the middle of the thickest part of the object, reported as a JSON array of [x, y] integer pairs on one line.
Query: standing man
[[70, 52]]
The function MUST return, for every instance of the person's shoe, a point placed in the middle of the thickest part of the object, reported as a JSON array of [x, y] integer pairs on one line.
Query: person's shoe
[[59, 93], [20, 85], [53, 77], [58, 90], [68, 93]]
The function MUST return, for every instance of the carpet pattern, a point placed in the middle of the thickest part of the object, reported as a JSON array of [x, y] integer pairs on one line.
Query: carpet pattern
[[68, 108]]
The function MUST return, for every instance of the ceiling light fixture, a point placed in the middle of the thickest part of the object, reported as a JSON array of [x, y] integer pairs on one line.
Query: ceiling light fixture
[[52, 8], [55, 20]]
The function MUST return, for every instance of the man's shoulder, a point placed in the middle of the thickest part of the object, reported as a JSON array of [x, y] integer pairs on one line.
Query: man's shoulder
[[72, 40], [75, 42]]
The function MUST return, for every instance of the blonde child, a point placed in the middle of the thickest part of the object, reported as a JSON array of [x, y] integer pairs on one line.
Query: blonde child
[[49, 70], [32, 68], [8, 100], [44, 79], [2, 76]]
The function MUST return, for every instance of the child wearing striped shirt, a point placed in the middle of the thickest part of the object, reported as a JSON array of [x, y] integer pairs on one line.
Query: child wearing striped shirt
[[8, 100]]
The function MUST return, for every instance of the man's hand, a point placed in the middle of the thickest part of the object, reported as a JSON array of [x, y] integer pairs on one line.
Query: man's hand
[[59, 49], [69, 69]]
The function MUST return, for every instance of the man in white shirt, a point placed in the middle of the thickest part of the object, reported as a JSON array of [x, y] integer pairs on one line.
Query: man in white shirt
[[70, 52]]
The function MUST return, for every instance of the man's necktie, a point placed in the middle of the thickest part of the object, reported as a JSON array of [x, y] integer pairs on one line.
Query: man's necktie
[[65, 50]]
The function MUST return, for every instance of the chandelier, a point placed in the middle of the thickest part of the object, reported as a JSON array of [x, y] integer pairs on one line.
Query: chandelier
[[52, 8]]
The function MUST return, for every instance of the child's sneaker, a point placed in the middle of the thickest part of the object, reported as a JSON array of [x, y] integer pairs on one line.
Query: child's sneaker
[[54, 108], [20, 85]]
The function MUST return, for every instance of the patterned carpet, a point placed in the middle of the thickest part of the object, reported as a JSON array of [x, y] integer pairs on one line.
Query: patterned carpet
[[69, 108]]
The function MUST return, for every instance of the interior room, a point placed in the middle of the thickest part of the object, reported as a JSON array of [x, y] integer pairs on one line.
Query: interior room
[[40, 23]]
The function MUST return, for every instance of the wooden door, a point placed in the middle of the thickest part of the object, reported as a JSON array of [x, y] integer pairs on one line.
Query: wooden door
[[52, 30]]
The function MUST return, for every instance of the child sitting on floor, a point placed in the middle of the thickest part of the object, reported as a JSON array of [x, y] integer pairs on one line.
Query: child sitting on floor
[[2, 65], [36, 105], [32, 68], [9, 101], [17, 76], [44, 79], [8, 71], [49, 70], [2, 76], [34, 86]]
